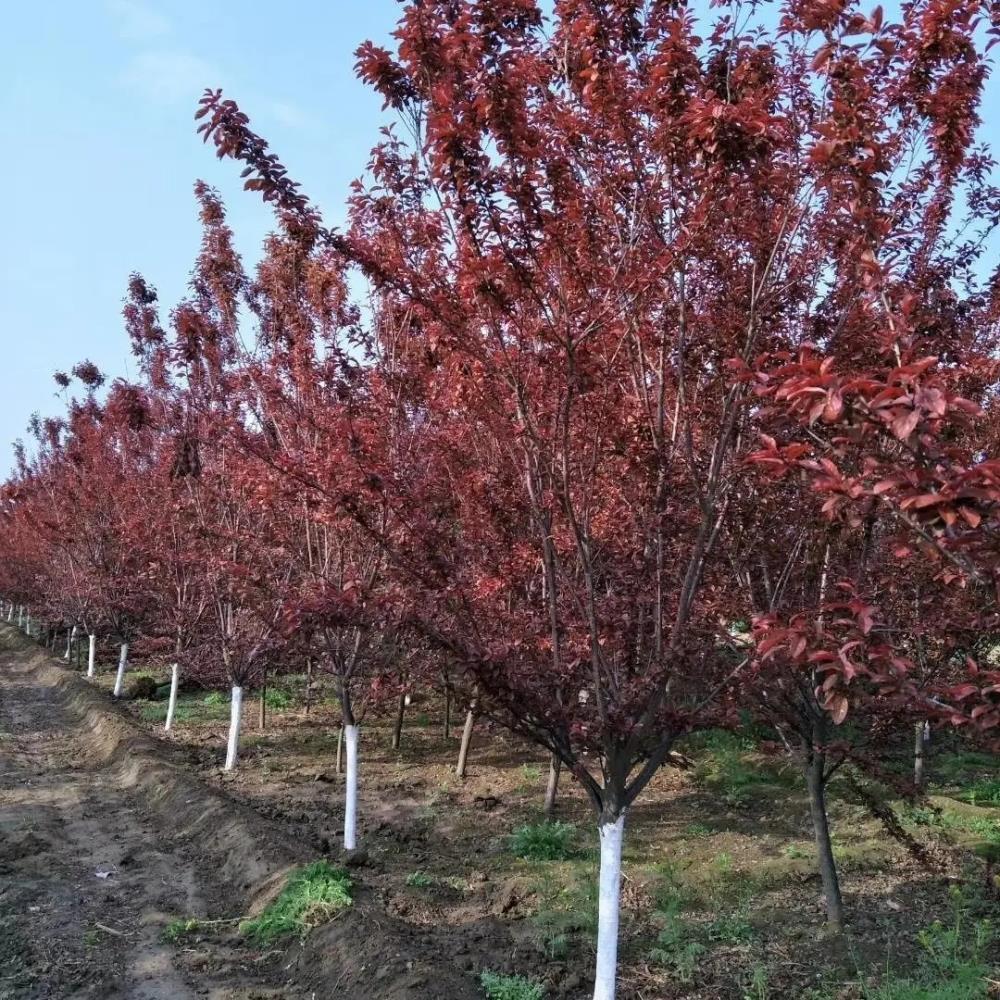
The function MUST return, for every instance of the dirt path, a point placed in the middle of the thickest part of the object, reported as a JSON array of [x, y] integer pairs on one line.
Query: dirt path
[[87, 883]]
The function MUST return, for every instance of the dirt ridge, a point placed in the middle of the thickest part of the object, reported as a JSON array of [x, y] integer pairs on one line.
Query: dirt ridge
[[367, 954]]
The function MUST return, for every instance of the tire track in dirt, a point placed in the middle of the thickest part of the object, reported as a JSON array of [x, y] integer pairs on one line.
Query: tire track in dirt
[[87, 881]]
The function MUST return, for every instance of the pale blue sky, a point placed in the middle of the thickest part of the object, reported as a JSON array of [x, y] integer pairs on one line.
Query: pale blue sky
[[99, 156]]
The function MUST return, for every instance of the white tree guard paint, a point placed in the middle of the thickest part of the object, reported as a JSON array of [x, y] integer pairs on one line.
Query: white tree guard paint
[[120, 676], [20, 616], [235, 718], [27, 624], [92, 656], [10, 613], [70, 636], [175, 673], [351, 789], [609, 896]]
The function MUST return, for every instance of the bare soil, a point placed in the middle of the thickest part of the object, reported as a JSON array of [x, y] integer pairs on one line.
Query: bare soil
[[439, 895]]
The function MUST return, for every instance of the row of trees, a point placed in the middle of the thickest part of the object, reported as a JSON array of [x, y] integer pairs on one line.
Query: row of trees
[[650, 384]]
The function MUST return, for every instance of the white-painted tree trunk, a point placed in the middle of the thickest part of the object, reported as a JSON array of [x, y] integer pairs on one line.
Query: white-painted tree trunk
[[351, 789], [10, 613], [27, 624], [175, 673], [120, 676], [609, 898], [20, 616], [70, 636], [92, 656], [235, 720]]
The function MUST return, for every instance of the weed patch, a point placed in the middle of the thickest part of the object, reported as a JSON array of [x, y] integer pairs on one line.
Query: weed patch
[[499, 987], [952, 965], [313, 895], [177, 930], [544, 841]]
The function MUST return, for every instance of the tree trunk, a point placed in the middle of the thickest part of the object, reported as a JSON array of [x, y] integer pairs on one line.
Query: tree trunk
[[463, 750], [120, 676], [920, 734], [555, 766], [175, 674], [262, 719], [309, 683], [816, 783], [70, 633], [340, 750], [351, 789], [92, 656], [447, 713], [79, 652], [609, 896], [397, 729], [235, 719]]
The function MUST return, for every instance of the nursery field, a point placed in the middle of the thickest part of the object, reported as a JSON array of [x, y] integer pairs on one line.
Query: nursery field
[[720, 896]]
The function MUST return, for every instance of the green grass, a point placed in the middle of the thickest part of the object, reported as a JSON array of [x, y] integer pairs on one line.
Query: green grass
[[176, 930], [278, 699], [724, 766], [567, 908], [190, 708], [500, 987], [982, 793], [544, 841], [697, 831], [952, 965], [419, 880], [314, 894]]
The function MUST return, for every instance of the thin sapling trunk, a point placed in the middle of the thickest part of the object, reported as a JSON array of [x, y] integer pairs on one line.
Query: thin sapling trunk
[[921, 735], [120, 676], [816, 782], [175, 673], [397, 729], [552, 788], [611, 832], [235, 720], [351, 788], [463, 750], [92, 655]]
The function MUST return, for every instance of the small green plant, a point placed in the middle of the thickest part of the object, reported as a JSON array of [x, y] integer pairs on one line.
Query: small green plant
[[697, 830], [723, 863], [758, 988], [313, 895], [952, 966], [419, 880], [983, 793], [277, 699], [732, 928], [178, 929], [568, 907], [795, 853], [677, 947], [499, 987], [544, 841], [215, 698], [531, 773]]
